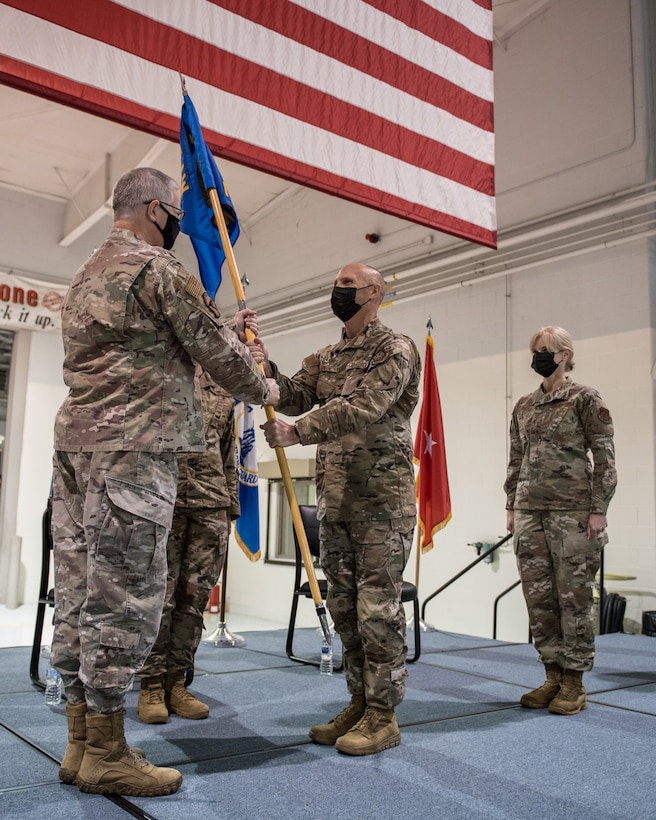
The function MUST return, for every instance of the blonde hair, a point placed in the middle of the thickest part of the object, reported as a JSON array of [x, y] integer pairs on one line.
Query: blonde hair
[[556, 339]]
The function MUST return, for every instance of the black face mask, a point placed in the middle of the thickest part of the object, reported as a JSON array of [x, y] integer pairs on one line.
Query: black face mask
[[343, 303], [170, 231], [543, 363]]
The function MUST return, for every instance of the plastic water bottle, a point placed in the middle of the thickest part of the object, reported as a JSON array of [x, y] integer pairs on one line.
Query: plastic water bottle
[[326, 665], [53, 687]]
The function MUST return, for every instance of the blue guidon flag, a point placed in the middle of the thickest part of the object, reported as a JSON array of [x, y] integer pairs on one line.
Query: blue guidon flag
[[199, 174]]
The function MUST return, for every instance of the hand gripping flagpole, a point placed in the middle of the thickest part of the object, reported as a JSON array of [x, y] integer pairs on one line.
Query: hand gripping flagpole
[[271, 414]]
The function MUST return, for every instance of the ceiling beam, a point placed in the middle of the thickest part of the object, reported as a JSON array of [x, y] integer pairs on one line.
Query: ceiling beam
[[519, 20], [91, 201]]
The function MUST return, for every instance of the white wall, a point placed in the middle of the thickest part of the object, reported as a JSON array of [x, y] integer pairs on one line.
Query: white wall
[[45, 392]]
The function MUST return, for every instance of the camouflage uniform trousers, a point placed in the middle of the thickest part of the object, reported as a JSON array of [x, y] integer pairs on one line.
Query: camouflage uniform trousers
[[557, 564], [196, 552], [363, 563], [111, 515]]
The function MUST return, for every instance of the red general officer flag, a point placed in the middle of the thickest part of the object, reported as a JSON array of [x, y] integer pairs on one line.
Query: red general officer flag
[[433, 494]]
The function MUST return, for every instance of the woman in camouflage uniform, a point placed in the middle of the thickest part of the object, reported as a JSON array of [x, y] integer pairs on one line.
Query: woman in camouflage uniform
[[557, 498]]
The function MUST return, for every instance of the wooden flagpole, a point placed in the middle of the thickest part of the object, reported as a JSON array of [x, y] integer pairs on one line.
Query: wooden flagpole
[[270, 414]]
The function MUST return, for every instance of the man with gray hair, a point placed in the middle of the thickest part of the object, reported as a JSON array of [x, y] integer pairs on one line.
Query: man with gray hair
[[134, 320]]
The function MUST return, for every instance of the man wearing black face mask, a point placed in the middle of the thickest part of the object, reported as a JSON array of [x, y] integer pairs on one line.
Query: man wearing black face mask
[[557, 499], [171, 227], [366, 387], [133, 323]]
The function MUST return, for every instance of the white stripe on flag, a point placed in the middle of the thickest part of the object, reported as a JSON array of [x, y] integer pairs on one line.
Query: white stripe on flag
[[409, 43], [477, 19], [308, 67]]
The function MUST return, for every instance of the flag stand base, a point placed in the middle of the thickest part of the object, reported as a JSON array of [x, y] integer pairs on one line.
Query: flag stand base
[[223, 637]]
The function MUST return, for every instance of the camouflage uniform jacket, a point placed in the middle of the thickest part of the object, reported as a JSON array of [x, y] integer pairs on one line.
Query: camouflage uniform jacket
[[366, 389], [209, 479], [551, 436], [132, 321]]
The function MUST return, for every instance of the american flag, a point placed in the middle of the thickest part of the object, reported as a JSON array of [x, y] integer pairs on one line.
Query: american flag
[[387, 103]]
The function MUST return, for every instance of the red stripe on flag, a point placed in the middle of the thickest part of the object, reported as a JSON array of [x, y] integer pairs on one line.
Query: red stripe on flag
[[34, 80], [439, 27], [153, 41], [433, 496], [320, 34], [118, 109]]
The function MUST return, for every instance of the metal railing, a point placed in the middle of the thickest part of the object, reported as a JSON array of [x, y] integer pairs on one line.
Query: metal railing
[[496, 607], [486, 554], [462, 572]]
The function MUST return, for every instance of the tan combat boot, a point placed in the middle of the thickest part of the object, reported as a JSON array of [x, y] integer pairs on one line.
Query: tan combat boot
[[110, 766], [327, 733], [571, 698], [151, 706], [77, 736], [181, 702], [541, 697], [375, 732]]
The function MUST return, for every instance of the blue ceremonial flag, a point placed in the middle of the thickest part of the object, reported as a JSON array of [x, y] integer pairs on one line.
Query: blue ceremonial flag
[[247, 528], [199, 174]]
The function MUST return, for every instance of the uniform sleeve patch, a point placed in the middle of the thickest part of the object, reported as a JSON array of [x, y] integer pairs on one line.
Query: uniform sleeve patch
[[194, 287], [604, 415], [210, 304]]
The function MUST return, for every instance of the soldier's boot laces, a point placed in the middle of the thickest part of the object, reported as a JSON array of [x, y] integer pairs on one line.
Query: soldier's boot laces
[[571, 698], [328, 733], [77, 737], [376, 731], [151, 706], [110, 766], [181, 702], [541, 697]]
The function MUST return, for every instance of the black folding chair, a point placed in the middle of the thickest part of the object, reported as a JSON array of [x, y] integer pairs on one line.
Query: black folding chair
[[302, 590], [409, 594], [46, 598]]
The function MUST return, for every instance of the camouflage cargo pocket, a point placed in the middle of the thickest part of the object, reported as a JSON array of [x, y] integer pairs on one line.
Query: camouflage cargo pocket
[[115, 657], [136, 523], [569, 530]]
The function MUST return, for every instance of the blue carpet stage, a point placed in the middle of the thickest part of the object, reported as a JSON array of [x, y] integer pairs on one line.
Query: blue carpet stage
[[468, 750]]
